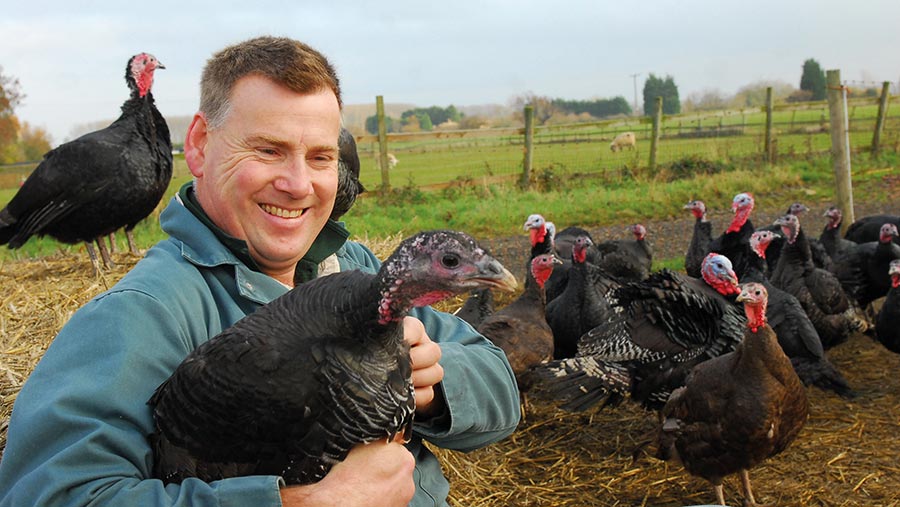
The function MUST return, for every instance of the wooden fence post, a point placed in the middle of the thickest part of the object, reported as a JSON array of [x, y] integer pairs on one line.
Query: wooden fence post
[[840, 146], [382, 145], [654, 137], [879, 122], [768, 147], [525, 181]]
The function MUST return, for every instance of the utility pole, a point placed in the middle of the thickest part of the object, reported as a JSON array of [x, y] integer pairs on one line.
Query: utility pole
[[634, 77]]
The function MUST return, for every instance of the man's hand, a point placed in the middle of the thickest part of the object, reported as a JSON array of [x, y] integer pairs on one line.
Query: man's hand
[[427, 372], [372, 474]]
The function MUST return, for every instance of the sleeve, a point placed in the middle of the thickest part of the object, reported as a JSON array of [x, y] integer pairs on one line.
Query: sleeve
[[78, 431], [479, 387]]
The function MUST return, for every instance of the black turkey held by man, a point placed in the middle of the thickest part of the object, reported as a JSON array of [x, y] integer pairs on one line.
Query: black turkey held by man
[[738, 409], [102, 181], [289, 389]]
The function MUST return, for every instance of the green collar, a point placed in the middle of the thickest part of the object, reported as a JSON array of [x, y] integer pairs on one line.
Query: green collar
[[330, 239]]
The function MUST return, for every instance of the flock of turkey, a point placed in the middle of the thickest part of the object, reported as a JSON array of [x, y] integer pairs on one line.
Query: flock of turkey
[[726, 381], [721, 353]]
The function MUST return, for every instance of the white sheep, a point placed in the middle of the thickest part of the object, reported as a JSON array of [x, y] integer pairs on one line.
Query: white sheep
[[623, 140], [391, 160]]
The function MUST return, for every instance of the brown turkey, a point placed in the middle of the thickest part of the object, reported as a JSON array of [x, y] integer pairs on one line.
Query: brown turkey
[[700, 240], [737, 410], [818, 291], [887, 322], [328, 355], [100, 182], [796, 333], [521, 328]]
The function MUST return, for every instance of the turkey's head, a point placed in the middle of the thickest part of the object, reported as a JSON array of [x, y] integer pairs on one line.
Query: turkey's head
[[887, 233], [760, 241], [834, 216], [579, 249], [894, 273], [639, 231], [432, 266], [698, 208], [741, 205], [797, 208], [790, 226], [755, 298], [542, 267], [139, 73], [349, 186], [718, 273], [536, 226]]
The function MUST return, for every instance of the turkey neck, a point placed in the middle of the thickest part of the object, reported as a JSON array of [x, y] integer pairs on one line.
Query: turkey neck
[[798, 249], [149, 123], [741, 218]]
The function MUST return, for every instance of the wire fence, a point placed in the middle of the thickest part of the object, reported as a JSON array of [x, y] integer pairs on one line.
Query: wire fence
[[798, 130]]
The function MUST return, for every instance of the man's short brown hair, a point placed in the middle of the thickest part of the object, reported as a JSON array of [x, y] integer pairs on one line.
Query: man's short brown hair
[[288, 62]]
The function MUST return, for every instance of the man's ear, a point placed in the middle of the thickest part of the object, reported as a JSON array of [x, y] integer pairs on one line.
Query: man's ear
[[195, 144]]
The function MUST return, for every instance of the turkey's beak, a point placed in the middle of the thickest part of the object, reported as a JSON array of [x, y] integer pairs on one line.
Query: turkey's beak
[[557, 260], [159, 65], [494, 275]]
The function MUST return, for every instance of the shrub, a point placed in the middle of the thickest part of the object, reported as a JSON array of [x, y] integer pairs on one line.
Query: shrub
[[694, 165]]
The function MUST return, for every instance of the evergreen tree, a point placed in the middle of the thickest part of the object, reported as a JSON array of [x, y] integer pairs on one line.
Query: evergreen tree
[[658, 87], [813, 79], [372, 124]]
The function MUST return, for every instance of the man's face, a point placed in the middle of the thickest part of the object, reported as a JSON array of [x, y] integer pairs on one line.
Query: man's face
[[268, 175]]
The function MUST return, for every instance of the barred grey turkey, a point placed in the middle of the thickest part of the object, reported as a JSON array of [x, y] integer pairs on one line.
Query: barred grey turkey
[[100, 182], [291, 388]]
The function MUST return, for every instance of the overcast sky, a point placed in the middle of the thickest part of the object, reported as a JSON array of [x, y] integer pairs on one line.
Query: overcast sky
[[70, 56]]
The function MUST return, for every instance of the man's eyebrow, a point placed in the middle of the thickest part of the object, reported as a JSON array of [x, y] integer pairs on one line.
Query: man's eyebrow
[[265, 139], [280, 143]]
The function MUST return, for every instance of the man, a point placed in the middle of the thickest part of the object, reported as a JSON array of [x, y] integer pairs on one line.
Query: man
[[263, 150]]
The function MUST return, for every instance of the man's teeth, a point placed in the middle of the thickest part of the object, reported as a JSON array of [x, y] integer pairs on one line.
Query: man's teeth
[[281, 212]]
